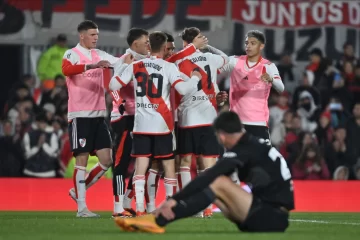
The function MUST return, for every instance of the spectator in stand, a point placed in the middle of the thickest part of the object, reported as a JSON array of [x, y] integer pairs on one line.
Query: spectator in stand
[[308, 111], [49, 110], [337, 154], [286, 72], [277, 111], [348, 72], [12, 160], [353, 132], [295, 148], [339, 115], [341, 92], [306, 85], [341, 173], [41, 150], [57, 95], [324, 131], [318, 65], [310, 165], [291, 135], [280, 130], [21, 115], [348, 56], [354, 86], [50, 62]]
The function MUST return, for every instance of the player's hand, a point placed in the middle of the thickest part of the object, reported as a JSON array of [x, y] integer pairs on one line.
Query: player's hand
[[266, 78], [200, 41], [222, 97], [128, 59], [166, 209], [196, 73], [103, 64]]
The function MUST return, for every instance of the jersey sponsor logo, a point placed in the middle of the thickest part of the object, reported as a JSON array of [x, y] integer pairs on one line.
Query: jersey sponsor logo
[[82, 142], [229, 155], [96, 74], [147, 105], [203, 98]]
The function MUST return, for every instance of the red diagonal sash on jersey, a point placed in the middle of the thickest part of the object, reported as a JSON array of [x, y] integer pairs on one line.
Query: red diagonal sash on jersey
[[187, 67], [162, 107]]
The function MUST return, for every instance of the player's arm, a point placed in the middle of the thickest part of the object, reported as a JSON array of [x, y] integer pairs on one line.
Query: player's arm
[[119, 81], [223, 167], [52, 148], [115, 62], [188, 50], [69, 64], [275, 77], [217, 57], [179, 84], [229, 66]]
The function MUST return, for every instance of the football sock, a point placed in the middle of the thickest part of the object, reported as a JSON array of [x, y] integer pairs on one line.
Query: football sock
[[95, 174], [150, 190], [129, 194], [190, 206], [139, 186], [185, 176], [79, 185], [170, 186]]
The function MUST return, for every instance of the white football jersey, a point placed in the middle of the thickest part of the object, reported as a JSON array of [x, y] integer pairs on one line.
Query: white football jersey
[[153, 78], [200, 108]]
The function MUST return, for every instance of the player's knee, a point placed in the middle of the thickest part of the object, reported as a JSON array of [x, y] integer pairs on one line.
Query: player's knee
[[186, 161], [107, 161], [220, 182]]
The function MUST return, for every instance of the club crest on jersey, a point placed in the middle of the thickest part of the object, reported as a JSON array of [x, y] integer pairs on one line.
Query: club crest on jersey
[[82, 142]]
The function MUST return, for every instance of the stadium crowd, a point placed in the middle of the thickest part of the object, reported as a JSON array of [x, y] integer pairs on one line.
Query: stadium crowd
[[315, 123]]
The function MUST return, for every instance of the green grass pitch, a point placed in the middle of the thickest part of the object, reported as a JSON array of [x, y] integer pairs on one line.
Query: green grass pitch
[[65, 226]]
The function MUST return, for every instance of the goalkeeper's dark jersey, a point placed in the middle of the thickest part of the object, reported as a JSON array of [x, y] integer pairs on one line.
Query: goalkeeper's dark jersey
[[261, 166]]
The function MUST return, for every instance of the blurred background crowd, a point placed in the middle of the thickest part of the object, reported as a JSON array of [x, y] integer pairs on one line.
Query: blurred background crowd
[[315, 123]]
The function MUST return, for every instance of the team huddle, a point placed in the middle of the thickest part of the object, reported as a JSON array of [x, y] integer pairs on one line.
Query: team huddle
[[165, 111]]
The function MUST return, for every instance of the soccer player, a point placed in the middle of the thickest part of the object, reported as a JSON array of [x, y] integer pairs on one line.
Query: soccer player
[[153, 127], [252, 77], [122, 124], [154, 174], [197, 111], [83, 67], [266, 209]]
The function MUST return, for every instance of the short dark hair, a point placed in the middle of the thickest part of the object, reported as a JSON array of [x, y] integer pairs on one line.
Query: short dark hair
[[86, 25], [135, 34], [157, 40], [228, 122], [170, 38], [256, 34], [189, 34]]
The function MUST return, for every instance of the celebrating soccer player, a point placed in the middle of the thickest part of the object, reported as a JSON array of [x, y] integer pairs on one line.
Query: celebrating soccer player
[[197, 111], [266, 209], [153, 127], [252, 77], [122, 123], [83, 67]]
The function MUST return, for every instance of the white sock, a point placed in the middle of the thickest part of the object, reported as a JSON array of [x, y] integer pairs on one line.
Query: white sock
[[139, 183], [170, 186], [118, 204], [80, 189], [128, 198], [185, 177], [95, 174], [234, 177], [151, 190]]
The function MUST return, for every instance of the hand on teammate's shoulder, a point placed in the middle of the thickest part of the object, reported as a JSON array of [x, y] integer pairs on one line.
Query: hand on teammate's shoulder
[[129, 59]]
